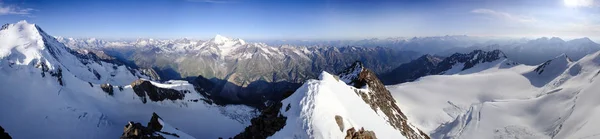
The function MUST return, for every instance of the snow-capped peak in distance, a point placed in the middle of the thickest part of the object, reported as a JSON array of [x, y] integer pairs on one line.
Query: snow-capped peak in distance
[[458, 63], [557, 99], [218, 39]]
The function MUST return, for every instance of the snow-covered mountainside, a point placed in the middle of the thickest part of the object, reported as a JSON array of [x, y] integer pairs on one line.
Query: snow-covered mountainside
[[51, 91], [457, 63], [556, 99], [330, 108], [26, 44]]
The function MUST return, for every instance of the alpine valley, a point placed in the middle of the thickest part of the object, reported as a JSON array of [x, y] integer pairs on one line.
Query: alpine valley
[[394, 88]]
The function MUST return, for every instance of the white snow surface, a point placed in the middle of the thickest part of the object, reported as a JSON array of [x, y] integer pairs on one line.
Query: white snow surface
[[507, 102], [313, 108], [36, 106]]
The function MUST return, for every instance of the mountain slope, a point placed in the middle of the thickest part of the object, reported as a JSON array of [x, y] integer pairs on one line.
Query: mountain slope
[[552, 100], [243, 71], [330, 108], [51, 91], [457, 63]]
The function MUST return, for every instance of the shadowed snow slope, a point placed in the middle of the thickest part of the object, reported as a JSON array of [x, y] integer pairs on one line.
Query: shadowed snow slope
[[50, 91], [508, 103]]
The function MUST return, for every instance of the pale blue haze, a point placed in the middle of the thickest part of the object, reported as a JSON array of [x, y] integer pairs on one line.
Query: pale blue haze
[[305, 19]]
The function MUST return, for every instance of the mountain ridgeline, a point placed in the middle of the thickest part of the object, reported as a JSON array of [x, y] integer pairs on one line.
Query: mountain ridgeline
[[434, 65], [234, 71]]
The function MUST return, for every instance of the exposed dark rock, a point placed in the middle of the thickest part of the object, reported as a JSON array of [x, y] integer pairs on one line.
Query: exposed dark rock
[[340, 122], [91, 85], [154, 124], [3, 134], [135, 130], [266, 124], [97, 74], [5, 26], [287, 108], [58, 75], [360, 134], [379, 98], [107, 88], [145, 89]]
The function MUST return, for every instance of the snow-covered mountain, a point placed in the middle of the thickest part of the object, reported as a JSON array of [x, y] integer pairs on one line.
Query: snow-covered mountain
[[49, 90], [555, 99], [338, 106], [457, 63], [535, 51]]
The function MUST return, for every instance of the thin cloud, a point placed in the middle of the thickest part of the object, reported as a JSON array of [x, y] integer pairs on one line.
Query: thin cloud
[[14, 10], [504, 15]]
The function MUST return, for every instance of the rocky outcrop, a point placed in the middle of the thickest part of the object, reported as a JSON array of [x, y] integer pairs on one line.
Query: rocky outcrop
[[360, 134], [3, 134], [379, 98], [107, 88], [135, 130], [340, 122], [145, 89], [265, 125]]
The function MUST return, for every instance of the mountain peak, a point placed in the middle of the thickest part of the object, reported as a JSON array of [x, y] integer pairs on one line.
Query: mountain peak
[[219, 39], [24, 36], [583, 40]]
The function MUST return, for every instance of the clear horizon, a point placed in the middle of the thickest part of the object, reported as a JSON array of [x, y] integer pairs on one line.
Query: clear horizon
[[308, 19]]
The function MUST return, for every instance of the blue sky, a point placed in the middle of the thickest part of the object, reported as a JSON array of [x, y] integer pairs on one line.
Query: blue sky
[[306, 19]]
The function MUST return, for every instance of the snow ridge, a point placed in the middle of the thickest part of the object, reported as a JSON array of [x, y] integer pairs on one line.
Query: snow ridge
[[313, 107]]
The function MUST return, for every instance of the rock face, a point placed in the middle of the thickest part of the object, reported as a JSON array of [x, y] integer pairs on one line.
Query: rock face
[[360, 134], [379, 98], [145, 89], [340, 122], [135, 130], [3, 134], [433, 65], [107, 88], [265, 125]]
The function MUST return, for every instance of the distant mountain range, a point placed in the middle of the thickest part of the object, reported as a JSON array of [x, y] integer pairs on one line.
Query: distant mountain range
[[456, 63], [242, 71]]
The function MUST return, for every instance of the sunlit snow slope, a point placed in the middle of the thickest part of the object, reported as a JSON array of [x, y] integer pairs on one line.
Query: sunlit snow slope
[[49, 91], [556, 99], [313, 108]]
